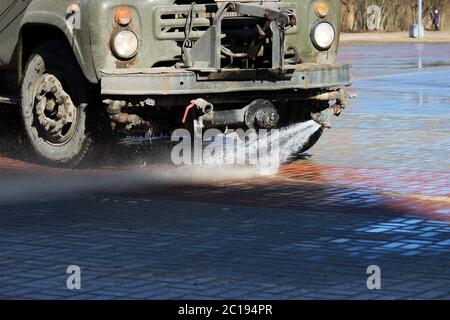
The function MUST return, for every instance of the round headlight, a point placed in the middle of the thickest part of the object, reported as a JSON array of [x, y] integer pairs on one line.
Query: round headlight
[[125, 44], [323, 35]]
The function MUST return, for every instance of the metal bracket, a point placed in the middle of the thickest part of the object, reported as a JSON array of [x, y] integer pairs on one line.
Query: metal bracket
[[205, 55]]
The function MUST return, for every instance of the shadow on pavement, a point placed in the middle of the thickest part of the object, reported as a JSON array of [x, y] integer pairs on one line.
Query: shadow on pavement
[[165, 249], [12, 136]]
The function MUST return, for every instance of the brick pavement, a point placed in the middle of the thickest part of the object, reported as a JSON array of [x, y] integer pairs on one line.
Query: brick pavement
[[376, 192], [145, 247]]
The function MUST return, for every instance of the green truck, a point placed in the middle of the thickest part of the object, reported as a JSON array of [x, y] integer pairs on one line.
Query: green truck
[[85, 71]]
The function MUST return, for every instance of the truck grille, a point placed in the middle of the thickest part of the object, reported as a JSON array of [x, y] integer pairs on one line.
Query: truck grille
[[170, 21]]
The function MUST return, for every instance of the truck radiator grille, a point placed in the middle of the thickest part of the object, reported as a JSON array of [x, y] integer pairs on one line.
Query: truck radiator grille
[[170, 21]]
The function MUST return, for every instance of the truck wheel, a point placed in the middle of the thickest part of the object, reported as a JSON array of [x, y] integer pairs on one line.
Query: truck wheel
[[54, 100]]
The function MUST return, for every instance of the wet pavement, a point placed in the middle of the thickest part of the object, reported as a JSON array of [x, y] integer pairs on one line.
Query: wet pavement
[[374, 191]]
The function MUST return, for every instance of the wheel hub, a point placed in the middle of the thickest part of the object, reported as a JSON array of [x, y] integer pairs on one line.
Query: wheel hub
[[55, 111]]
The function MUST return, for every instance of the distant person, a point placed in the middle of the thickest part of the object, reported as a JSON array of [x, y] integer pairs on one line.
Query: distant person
[[436, 20]]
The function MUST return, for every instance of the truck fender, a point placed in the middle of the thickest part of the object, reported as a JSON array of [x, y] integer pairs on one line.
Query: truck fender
[[55, 18]]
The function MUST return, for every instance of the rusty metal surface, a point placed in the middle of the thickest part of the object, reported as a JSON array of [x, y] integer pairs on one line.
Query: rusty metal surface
[[171, 81]]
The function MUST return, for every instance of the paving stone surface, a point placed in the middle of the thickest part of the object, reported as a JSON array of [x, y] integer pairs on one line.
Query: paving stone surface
[[374, 191]]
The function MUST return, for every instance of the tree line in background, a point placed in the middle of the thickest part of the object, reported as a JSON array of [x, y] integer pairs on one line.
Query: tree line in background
[[396, 15]]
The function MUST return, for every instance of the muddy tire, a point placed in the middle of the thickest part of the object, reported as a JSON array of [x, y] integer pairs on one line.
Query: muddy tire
[[55, 101]]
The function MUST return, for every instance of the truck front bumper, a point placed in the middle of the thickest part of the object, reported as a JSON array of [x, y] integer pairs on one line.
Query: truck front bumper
[[173, 81]]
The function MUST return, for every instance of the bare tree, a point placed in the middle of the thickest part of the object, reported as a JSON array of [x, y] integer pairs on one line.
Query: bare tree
[[397, 15]]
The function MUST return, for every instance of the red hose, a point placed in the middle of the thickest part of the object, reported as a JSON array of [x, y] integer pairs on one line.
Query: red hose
[[188, 108]]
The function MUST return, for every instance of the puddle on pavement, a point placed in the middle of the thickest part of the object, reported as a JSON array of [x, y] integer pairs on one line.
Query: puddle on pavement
[[23, 182]]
